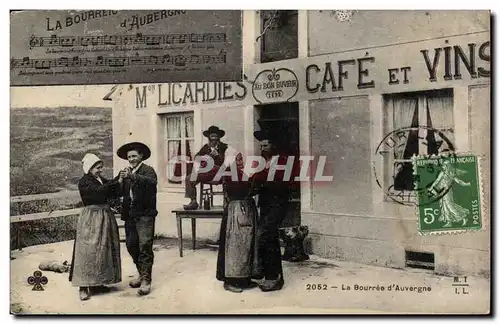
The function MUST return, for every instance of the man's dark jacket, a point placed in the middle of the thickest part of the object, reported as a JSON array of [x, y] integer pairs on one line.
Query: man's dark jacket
[[143, 183], [221, 149]]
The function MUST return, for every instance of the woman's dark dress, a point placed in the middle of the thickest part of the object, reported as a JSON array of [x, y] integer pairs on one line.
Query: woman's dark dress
[[96, 251]]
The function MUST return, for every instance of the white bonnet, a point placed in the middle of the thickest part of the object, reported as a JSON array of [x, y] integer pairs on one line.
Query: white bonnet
[[89, 160]]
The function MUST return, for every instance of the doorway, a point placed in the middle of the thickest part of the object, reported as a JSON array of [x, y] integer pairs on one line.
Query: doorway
[[283, 119]]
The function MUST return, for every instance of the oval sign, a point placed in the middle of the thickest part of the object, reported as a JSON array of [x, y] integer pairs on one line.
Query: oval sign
[[276, 85]]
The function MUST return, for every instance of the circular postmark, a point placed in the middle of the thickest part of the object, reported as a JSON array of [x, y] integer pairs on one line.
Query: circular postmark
[[405, 177]]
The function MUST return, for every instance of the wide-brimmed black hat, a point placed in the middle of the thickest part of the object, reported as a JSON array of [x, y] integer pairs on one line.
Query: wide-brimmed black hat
[[214, 130], [261, 135], [136, 146]]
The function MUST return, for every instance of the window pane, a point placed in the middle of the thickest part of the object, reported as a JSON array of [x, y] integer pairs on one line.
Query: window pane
[[433, 109], [177, 128], [189, 126], [440, 141], [440, 110], [173, 127], [189, 147], [174, 149], [280, 40], [411, 146], [403, 176], [405, 112], [450, 137]]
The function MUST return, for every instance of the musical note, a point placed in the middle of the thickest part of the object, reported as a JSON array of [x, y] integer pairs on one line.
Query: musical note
[[42, 64], [167, 59], [153, 40], [109, 40], [209, 38], [195, 38], [96, 40], [179, 60], [175, 38], [86, 62], [76, 61], [67, 41], [151, 60], [206, 59], [118, 61], [53, 40], [124, 40], [99, 61], [139, 39], [26, 62], [183, 38], [195, 59], [221, 58], [220, 38], [63, 61], [136, 60]]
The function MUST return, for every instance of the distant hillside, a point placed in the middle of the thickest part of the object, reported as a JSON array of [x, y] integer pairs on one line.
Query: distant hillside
[[47, 145]]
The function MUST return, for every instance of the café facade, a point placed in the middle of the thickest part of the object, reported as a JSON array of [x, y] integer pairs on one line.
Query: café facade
[[352, 83]]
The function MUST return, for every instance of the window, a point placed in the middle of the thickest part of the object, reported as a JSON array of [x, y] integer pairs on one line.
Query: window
[[279, 30], [433, 109], [179, 137]]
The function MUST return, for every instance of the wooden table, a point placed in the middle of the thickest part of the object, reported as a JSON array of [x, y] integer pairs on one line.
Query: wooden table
[[193, 215]]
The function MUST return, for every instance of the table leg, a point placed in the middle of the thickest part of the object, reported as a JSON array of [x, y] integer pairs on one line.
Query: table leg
[[193, 228], [179, 234]]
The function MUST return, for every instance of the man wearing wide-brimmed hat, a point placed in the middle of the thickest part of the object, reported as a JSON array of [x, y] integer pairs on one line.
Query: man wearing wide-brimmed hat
[[214, 149], [274, 196], [139, 211]]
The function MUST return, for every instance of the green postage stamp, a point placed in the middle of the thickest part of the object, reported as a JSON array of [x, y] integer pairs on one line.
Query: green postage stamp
[[448, 193]]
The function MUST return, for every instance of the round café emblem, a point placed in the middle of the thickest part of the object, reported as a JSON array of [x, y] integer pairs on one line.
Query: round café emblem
[[276, 85]]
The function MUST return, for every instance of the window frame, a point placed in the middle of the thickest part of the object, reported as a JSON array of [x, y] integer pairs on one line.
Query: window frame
[[283, 16], [388, 125], [183, 139]]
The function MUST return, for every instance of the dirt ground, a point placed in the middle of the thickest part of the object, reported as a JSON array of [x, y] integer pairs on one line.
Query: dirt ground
[[188, 286]]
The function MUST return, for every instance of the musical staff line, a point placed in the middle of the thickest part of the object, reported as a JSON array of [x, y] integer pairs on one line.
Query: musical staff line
[[124, 40], [118, 61]]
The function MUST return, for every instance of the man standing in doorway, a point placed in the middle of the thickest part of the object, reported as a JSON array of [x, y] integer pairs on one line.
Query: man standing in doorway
[[139, 211], [274, 196], [214, 149]]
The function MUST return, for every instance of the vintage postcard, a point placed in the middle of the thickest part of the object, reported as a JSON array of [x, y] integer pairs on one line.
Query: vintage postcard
[[250, 162]]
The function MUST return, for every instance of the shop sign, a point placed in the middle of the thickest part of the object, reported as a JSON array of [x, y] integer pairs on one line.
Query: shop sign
[[276, 85]]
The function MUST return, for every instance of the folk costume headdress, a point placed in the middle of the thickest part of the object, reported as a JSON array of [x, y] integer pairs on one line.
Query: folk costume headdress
[[89, 161]]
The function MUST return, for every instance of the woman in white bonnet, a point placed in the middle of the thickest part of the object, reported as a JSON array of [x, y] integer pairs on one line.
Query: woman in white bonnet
[[96, 252]]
